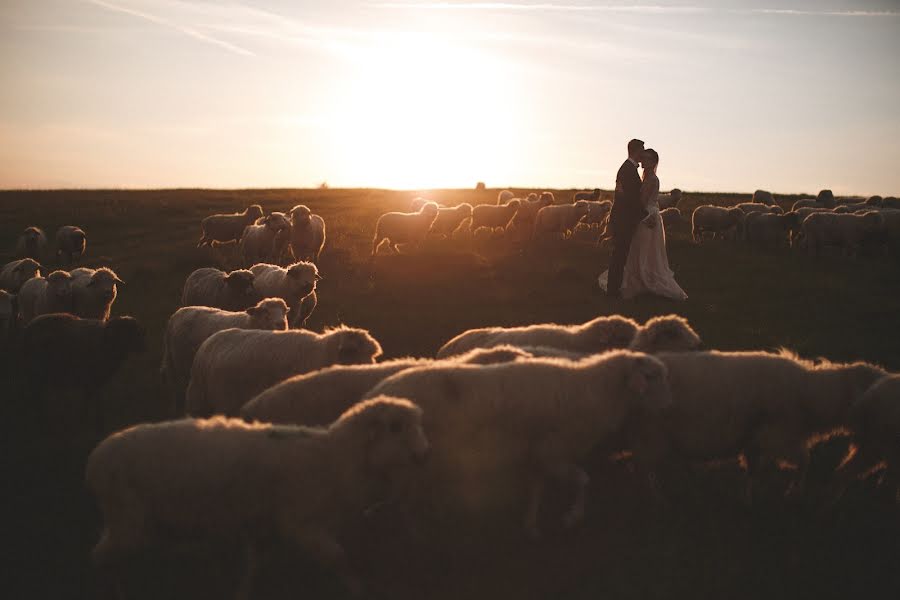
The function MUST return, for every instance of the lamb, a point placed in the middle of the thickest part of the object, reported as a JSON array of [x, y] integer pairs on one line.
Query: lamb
[[763, 197], [668, 333], [672, 218], [211, 287], [17, 272], [490, 425], [404, 228], [307, 234], [494, 217], [769, 229], [320, 397], [296, 285], [593, 195], [720, 221], [8, 317], [93, 292], [669, 200], [233, 366], [40, 296], [561, 218], [71, 242], [598, 211], [258, 240], [227, 228], [825, 199], [848, 231], [79, 353], [598, 335], [450, 218], [190, 326], [32, 243], [226, 479], [504, 196]]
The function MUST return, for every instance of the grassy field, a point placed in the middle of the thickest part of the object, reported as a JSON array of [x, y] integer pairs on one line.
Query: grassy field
[[704, 545]]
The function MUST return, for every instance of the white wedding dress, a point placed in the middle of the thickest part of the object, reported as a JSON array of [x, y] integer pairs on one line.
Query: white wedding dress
[[647, 268]]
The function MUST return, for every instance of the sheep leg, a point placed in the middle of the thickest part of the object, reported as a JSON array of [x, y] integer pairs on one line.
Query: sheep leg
[[863, 460], [324, 548]]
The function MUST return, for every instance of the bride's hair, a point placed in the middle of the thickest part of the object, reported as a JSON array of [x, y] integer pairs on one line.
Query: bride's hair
[[653, 157]]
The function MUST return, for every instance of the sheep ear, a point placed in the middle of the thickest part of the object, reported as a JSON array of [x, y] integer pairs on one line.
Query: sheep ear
[[319, 277], [637, 382], [119, 281]]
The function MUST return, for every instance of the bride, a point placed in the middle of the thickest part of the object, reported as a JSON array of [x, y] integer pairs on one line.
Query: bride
[[647, 268]]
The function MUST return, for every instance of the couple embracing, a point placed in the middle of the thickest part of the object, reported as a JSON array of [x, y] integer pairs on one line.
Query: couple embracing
[[639, 263]]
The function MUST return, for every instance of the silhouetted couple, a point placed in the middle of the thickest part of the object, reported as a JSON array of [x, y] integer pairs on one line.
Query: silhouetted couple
[[639, 263]]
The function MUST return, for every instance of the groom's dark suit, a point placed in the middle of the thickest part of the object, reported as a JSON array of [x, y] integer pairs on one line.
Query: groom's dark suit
[[626, 213]]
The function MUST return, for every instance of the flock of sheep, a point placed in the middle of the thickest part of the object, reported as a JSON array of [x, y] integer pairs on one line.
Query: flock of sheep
[[282, 430]]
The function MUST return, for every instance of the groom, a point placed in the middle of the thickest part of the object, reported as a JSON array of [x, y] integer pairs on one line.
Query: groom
[[626, 213]]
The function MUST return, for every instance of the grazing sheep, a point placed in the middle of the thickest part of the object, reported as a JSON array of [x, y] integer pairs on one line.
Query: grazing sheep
[[233, 366], [32, 243], [224, 479], [40, 296], [504, 196], [70, 244], [593, 195], [450, 218], [849, 231], [9, 316], [93, 292], [491, 425], [217, 289], [720, 221], [307, 234], [763, 197], [561, 218], [258, 240], [672, 218], [598, 335], [669, 200], [668, 333], [769, 229], [17, 272], [597, 212], [404, 228], [227, 228], [293, 284], [825, 199], [494, 217], [190, 326], [78, 353]]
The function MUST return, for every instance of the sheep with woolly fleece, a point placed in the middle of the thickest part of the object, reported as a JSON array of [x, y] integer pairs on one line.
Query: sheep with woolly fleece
[[762, 405], [71, 242], [504, 196], [83, 354], [404, 228], [234, 365], [561, 218], [450, 218], [593, 195], [598, 335], [307, 234], [190, 326], [15, 273], [224, 228], [669, 200], [597, 212], [43, 295], [320, 397], [9, 316], [211, 287], [763, 197], [93, 292], [296, 285], [494, 217], [665, 333], [32, 243], [800, 215], [824, 199], [846, 230], [226, 479], [672, 218], [758, 207], [769, 229], [258, 240], [716, 219], [491, 425]]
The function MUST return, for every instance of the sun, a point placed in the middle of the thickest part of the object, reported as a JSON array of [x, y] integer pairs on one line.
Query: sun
[[421, 112]]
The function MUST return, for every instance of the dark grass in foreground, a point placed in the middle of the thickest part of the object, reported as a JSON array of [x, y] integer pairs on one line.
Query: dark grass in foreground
[[704, 545]]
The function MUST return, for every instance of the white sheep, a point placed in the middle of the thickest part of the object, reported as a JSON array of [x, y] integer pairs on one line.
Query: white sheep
[[449, 219], [258, 240], [43, 295], [667, 333], [32, 243], [307, 234], [504, 196], [593, 195], [218, 289], [598, 335], [769, 229], [93, 292], [226, 479], [849, 231], [295, 284], [71, 242], [233, 366], [597, 212], [224, 228], [560, 218], [670, 200], [763, 197], [17, 272], [190, 326], [494, 217], [404, 228], [716, 219], [490, 426]]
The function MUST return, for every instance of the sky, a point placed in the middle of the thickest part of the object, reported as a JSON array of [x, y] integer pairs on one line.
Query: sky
[[735, 95]]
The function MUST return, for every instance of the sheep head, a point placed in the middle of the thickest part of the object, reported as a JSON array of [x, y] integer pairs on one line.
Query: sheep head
[[391, 429], [300, 215], [277, 221], [354, 346], [59, 285], [104, 281], [604, 333], [240, 282], [303, 277], [253, 212], [270, 313], [27, 268], [669, 333], [825, 198]]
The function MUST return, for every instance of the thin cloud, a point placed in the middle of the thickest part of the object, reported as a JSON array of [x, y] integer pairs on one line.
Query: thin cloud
[[189, 31]]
